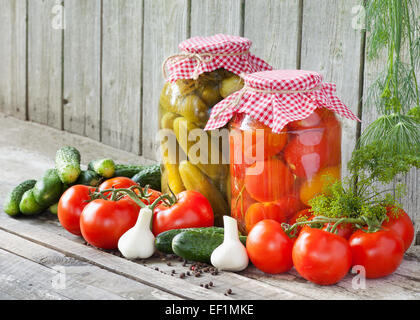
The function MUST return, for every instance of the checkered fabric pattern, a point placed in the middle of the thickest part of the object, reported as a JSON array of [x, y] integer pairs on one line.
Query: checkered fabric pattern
[[206, 54], [277, 108]]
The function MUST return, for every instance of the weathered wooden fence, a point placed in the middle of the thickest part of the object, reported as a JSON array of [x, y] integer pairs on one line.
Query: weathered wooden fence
[[97, 72]]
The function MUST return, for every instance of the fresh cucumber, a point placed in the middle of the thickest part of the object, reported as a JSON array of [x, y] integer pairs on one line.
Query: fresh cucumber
[[103, 167], [11, 204], [150, 175], [48, 189], [89, 178], [28, 204], [164, 240], [127, 170], [197, 245], [67, 163]]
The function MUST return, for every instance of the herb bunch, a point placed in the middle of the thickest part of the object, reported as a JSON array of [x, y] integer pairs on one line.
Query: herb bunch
[[393, 26]]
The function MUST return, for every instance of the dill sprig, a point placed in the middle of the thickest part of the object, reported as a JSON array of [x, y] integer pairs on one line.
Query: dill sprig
[[393, 27]]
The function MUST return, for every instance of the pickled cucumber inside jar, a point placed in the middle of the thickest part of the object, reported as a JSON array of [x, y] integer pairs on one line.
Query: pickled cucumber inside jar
[[230, 85]]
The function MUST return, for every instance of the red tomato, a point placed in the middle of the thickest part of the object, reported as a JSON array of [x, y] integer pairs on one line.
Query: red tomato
[[71, 205], [252, 137], [263, 210], [379, 252], [314, 119], [269, 248], [192, 210], [268, 180], [401, 224], [344, 230], [103, 222], [321, 257], [290, 204], [117, 183], [306, 153], [239, 205], [333, 137]]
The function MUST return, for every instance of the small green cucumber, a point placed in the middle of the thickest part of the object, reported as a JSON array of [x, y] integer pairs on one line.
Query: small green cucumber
[[198, 246], [151, 176], [103, 167], [28, 204], [164, 240], [89, 178], [48, 189], [67, 163], [11, 204], [127, 170]]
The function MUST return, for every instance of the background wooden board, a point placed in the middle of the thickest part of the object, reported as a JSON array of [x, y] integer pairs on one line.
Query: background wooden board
[[45, 57], [82, 68], [121, 74], [13, 58], [210, 17], [101, 75], [274, 28]]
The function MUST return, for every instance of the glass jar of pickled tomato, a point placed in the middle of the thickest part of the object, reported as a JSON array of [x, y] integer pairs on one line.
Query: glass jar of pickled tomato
[[285, 144], [205, 71]]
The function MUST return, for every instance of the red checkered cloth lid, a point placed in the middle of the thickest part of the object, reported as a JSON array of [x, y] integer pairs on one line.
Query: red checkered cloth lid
[[205, 54], [278, 97]]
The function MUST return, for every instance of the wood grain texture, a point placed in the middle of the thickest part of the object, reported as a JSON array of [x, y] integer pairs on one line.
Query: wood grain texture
[[332, 47], [165, 26], [13, 58], [209, 17], [45, 63], [273, 27], [82, 72], [119, 287], [121, 74]]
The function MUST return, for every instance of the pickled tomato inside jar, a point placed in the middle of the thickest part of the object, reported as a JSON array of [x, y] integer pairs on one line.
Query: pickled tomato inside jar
[[276, 175]]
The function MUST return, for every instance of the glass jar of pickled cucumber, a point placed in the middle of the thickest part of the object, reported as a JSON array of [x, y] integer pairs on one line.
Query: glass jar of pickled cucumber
[[285, 144], [205, 72]]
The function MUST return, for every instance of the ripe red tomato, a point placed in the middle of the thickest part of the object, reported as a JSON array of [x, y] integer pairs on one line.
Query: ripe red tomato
[[311, 121], [306, 153], [268, 180], [290, 204], [71, 205], [261, 211], [269, 248], [252, 137], [333, 137], [379, 252], [103, 222], [344, 230], [401, 224], [192, 210], [117, 183], [321, 257]]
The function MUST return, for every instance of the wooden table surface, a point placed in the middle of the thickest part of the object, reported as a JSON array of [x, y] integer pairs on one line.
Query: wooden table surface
[[41, 260]]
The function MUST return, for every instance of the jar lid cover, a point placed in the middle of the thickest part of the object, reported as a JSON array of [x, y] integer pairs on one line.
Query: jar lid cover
[[278, 97], [206, 54]]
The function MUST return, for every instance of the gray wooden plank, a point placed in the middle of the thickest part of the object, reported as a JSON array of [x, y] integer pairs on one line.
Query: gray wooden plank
[[42, 234], [80, 271], [165, 26], [45, 63], [332, 47], [44, 283], [82, 72], [273, 27], [121, 74], [209, 17], [13, 58]]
